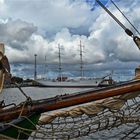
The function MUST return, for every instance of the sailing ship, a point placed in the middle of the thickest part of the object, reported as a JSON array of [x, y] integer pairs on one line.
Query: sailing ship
[[76, 82], [109, 108]]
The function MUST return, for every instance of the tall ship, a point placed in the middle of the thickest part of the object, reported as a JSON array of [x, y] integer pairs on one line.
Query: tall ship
[[73, 82]]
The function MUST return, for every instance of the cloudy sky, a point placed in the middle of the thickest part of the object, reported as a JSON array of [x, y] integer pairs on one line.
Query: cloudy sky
[[29, 27]]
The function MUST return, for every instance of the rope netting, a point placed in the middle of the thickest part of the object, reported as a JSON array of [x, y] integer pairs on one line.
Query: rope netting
[[113, 117], [121, 113]]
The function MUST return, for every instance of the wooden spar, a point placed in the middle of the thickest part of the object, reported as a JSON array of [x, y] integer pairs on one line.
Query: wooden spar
[[63, 101]]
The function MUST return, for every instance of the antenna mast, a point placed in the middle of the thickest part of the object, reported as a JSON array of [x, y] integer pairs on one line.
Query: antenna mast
[[81, 60], [60, 64], [35, 72]]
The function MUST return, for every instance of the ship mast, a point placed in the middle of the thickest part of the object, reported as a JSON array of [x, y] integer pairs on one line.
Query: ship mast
[[81, 59]]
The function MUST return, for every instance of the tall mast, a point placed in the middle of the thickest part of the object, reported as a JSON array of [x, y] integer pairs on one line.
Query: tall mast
[[81, 59], [60, 64]]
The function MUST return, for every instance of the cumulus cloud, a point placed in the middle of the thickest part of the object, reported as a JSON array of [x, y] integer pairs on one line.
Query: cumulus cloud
[[51, 15], [104, 41], [3, 8], [16, 31]]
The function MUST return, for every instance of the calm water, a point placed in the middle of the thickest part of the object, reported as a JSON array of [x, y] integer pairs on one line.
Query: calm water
[[14, 95]]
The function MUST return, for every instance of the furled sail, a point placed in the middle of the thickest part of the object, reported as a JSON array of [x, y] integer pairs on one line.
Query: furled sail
[[4, 67], [2, 74]]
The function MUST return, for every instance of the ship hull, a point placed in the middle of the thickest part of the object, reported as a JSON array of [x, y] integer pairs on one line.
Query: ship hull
[[80, 83]]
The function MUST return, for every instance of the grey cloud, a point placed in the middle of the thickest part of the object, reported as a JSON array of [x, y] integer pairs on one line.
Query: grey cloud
[[51, 15], [15, 33], [104, 40], [16, 30]]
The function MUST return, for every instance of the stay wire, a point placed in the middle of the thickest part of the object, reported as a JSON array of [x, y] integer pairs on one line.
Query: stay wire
[[111, 14], [125, 17]]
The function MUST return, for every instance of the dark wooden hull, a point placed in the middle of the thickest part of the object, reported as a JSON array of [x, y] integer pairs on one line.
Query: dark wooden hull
[[63, 101], [20, 128]]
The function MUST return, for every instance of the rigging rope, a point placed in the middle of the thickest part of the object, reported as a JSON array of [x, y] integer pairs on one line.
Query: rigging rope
[[111, 14], [126, 29], [125, 17]]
